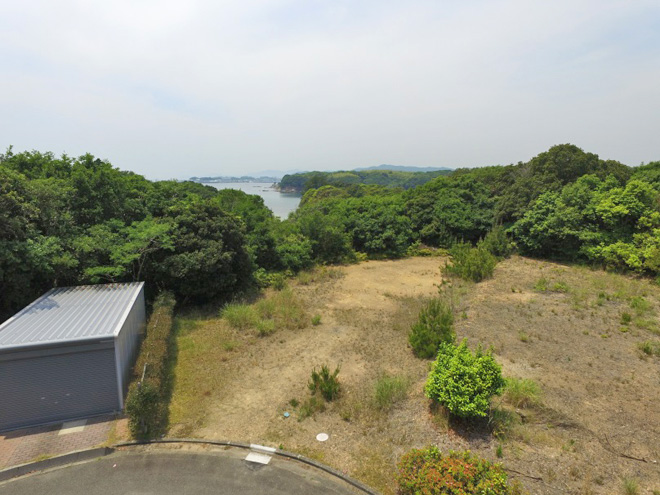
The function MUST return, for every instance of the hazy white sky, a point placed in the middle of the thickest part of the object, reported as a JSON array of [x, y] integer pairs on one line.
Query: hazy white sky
[[171, 89]]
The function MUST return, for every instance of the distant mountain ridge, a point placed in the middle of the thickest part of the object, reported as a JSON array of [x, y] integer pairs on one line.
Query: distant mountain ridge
[[402, 168]]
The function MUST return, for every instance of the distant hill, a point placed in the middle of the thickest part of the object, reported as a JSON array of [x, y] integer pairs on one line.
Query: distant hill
[[403, 168], [381, 177]]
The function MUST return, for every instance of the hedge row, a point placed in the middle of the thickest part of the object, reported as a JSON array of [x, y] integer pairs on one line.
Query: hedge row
[[146, 404]]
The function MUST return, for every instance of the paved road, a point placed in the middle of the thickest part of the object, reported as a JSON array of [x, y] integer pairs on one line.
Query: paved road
[[220, 473]]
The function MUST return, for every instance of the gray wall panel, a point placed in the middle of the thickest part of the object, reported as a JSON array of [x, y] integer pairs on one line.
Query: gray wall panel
[[45, 389]]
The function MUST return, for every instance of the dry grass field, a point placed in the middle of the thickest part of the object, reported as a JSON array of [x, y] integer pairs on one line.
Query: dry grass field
[[587, 338]]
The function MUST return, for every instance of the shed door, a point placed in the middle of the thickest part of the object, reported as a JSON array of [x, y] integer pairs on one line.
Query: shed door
[[50, 388]]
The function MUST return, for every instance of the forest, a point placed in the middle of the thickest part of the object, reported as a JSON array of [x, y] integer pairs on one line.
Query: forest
[[67, 221]]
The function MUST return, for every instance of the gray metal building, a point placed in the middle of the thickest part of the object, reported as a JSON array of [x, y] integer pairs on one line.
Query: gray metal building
[[69, 354]]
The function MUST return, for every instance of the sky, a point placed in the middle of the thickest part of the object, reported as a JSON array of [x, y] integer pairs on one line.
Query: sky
[[173, 89]]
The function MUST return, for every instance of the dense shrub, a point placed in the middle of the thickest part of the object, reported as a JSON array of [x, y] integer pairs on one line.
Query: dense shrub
[[470, 263], [325, 382], [427, 471], [497, 242], [434, 326], [464, 382], [144, 408], [146, 405]]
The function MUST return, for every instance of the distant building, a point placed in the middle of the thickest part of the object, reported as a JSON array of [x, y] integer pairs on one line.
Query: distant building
[[69, 354]]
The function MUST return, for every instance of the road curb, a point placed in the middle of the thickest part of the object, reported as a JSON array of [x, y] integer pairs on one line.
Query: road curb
[[282, 453], [51, 462]]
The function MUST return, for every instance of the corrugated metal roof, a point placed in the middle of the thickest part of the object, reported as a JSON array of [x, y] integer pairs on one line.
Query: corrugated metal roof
[[69, 314]]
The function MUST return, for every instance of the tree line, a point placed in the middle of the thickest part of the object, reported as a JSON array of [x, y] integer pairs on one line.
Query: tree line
[[68, 221]]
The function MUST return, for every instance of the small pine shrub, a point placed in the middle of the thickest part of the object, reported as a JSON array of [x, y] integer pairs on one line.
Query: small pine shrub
[[325, 382], [468, 263], [427, 471], [316, 320], [626, 318], [464, 382], [434, 326], [522, 392], [389, 390]]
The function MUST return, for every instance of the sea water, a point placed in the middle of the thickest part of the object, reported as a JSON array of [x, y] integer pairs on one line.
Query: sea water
[[281, 204]]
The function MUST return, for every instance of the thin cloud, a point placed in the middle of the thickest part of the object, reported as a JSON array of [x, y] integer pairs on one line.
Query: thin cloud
[[171, 89]]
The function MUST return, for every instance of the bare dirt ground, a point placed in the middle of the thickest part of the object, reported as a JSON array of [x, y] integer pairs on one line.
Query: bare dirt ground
[[599, 422]]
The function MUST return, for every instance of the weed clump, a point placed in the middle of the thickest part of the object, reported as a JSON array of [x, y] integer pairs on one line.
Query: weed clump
[[310, 407], [629, 486], [389, 390], [434, 326], [522, 392], [240, 316], [650, 348]]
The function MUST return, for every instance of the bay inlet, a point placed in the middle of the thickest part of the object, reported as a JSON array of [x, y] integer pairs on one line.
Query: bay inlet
[[281, 204]]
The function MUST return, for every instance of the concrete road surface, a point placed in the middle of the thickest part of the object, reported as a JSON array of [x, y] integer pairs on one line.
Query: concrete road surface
[[175, 472]]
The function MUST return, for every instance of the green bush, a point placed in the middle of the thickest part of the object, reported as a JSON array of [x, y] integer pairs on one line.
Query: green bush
[[470, 263], [316, 320], [464, 382], [434, 326], [325, 382], [427, 471], [497, 242], [146, 401]]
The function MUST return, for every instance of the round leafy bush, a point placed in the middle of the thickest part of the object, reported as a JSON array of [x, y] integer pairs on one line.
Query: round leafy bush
[[434, 326], [428, 472], [464, 382]]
